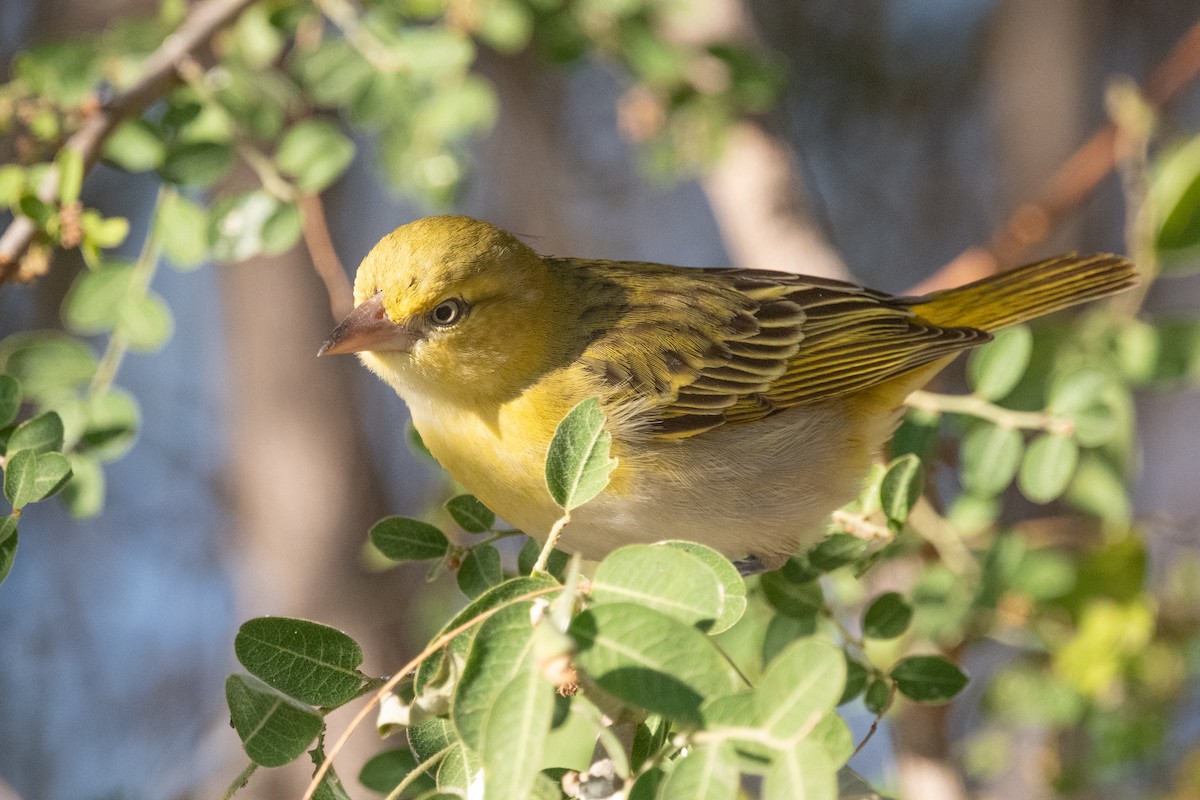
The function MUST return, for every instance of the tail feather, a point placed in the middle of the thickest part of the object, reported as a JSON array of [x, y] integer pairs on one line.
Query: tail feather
[[1027, 292]]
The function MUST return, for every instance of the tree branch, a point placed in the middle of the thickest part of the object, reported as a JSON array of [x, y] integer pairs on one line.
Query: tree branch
[[159, 76], [1071, 183]]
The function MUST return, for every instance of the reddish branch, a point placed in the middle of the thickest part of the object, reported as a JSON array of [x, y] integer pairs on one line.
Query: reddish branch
[[325, 258], [158, 77], [1079, 175]]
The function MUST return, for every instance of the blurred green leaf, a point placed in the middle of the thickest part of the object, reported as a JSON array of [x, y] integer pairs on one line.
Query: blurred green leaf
[[102, 232], [383, 772], [258, 42], [470, 514], [578, 463], [480, 571], [1047, 468], [146, 322], [314, 153], [803, 772], [990, 457], [531, 549], [800, 600], [928, 679], [314, 663], [650, 660], [46, 362], [877, 695], [1028, 695], [273, 727], [661, 578], [83, 494], [856, 681], [707, 772], [996, 368], [136, 146], [801, 685], [900, 488], [887, 617], [1085, 396], [111, 424], [183, 230], [10, 399], [93, 302], [248, 224], [197, 163], [70, 174], [1175, 188], [836, 550], [1098, 488]]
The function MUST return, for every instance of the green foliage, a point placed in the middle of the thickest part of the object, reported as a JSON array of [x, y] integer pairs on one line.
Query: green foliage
[[578, 463]]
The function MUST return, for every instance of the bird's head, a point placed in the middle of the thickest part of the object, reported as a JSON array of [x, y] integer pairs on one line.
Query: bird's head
[[453, 307]]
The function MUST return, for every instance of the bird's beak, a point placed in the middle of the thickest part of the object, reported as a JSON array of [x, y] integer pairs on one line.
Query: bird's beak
[[368, 328]]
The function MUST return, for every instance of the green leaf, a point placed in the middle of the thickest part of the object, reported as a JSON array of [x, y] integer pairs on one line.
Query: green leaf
[[10, 399], [111, 424], [83, 495], [650, 660], [93, 302], [707, 772], [782, 630], [383, 772], [990, 457], [470, 514], [801, 685], [804, 772], [314, 152], [900, 488], [1086, 396], [834, 736], [879, 692], [8, 544], [856, 681], [799, 600], [281, 230], [501, 649], [46, 362], [556, 565], [578, 463], [733, 587], [497, 595], [314, 663], [1176, 191], [136, 146], [40, 434], [514, 735], [457, 771], [836, 550], [1048, 467], [197, 163], [248, 224], [273, 727], [103, 232], [662, 578], [887, 617], [430, 737], [928, 679], [403, 539], [183, 230], [995, 369], [480, 571], [146, 322], [70, 174], [647, 785]]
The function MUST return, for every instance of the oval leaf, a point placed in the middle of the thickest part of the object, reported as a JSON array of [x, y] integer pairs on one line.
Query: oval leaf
[[10, 399], [31, 476], [804, 772], [273, 727], [314, 663], [1048, 467], [514, 735], [8, 544], [42, 434], [707, 772], [501, 649], [887, 617], [990, 457], [383, 772], [733, 586], [928, 679], [480, 571], [800, 686], [578, 463], [899, 489], [470, 514], [662, 578], [995, 369], [314, 153], [403, 539], [650, 660]]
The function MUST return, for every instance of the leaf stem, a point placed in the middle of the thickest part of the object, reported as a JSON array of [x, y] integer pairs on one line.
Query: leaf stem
[[240, 781], [974, 406], [551, 542], [418, 771]]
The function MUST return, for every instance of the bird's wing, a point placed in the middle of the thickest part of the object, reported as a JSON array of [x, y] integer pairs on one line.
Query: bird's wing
[[716, 347]]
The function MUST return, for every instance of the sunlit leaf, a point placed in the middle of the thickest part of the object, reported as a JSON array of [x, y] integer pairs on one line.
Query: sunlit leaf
[[578, 462], [314, 663]]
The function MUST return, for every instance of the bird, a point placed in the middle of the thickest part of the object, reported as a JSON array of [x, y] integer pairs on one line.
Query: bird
[[744, 405]]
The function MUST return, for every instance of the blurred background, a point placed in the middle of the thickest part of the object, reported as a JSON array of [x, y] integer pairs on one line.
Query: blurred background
[[871, 140]]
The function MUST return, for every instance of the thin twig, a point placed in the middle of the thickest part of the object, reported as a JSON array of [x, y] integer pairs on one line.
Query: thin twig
[[434, 646], [551, 542], [875, 722], [325, 258], [240, 781], [159, 76], [1072, 182], [974, 406]]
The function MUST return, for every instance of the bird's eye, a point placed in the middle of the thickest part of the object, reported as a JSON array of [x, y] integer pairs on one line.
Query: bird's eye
[[447, 312]]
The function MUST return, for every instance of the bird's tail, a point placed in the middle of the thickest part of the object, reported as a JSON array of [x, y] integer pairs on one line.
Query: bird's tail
[[1027, 292]]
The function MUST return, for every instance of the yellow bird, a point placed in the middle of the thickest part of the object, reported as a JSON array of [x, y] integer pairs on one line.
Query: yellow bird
[[744, 405]]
